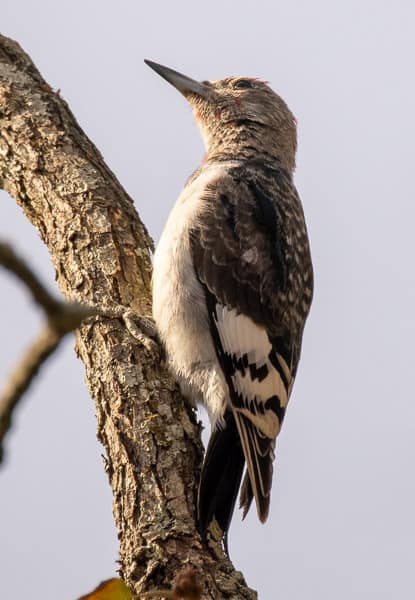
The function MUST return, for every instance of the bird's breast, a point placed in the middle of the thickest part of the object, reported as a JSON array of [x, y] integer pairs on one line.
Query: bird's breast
[[179, 305]]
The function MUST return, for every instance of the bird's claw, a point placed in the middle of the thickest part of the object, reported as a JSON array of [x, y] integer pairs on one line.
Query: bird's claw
[[143, 330]]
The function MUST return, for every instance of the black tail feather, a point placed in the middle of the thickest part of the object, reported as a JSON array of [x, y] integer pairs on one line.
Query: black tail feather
[[259, 455], [246, 496], [221, 477]]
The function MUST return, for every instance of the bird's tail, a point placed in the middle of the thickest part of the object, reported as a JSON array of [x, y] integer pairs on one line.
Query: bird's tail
[[221, 477], [259, 454]]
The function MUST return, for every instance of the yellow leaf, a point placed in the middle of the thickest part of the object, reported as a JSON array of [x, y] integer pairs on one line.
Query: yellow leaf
[[110, 589]]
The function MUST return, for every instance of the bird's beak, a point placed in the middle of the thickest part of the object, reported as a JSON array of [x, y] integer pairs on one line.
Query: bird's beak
[[182, 83]]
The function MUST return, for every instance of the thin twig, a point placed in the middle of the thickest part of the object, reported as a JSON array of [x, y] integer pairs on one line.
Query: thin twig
[[23, 375], [16, 265], [61, 319]]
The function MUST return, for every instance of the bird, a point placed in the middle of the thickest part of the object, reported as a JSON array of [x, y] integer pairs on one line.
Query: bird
[[232, 287]]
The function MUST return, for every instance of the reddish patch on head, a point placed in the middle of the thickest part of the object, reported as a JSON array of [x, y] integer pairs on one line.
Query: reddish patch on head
[[218, 114], [196, 114]]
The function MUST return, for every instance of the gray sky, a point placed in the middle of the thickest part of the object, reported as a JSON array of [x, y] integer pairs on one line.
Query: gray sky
[[342, 520]]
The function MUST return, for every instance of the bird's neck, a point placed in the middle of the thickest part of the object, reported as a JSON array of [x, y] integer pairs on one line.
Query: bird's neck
[[241, 141]]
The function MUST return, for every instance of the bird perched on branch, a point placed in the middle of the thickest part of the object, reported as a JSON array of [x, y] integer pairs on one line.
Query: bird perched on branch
[[233, 284]]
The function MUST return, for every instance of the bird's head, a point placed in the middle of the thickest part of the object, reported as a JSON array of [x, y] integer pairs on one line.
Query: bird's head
[[238, 117]]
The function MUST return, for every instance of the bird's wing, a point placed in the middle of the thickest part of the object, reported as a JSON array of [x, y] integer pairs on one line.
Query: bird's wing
[[242, 256]]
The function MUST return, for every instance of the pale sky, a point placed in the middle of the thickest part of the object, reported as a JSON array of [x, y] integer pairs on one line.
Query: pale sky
[[342, 522]]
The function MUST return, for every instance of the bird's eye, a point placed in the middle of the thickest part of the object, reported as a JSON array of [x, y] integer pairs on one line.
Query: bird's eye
[[242, 84]]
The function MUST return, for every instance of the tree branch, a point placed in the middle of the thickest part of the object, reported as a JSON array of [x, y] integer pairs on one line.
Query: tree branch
[[16, 265], [101, 254], [22, 376], [61, 318]]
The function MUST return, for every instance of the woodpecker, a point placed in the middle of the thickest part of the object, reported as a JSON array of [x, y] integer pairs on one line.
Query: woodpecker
[[233, 285]]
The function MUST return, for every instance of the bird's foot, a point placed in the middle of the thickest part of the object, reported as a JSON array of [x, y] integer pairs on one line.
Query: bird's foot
[[142, 329], [216, 541]]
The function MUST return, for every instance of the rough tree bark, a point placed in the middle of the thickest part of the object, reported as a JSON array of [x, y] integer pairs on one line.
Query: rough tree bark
[[101, 254]]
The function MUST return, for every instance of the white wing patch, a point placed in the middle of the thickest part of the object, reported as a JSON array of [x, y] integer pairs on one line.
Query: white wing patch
[[247, 344]]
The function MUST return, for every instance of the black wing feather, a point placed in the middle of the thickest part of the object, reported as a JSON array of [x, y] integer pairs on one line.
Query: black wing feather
[[250, 252]]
